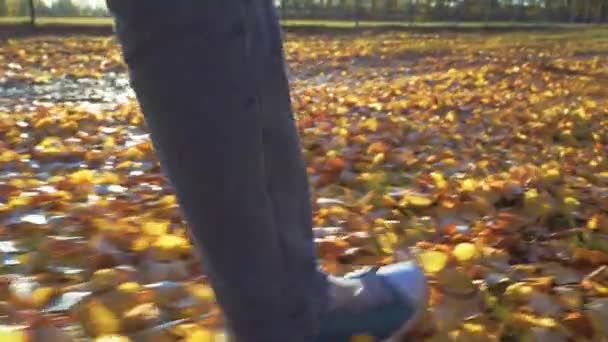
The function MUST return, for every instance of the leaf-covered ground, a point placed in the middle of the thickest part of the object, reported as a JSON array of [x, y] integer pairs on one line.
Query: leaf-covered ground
[[484, 156]]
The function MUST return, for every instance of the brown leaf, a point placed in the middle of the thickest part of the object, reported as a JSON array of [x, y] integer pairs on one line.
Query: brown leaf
[[579, 324]]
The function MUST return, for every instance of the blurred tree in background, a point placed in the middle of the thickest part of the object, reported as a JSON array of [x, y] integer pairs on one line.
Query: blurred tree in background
[[580, 11], [56, 8], [448, 10]]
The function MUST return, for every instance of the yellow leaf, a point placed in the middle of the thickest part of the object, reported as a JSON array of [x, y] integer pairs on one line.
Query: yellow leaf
[[439, 179], [221, 336], [473, 327], [593, 223], [8, 156], [127, 164], [465, 251], [529, 320], [186, 329], [571, 203], [112, 338], [203, 292], [170, 247], [599, 288], [201, 336], [130, 287], [50, 142], [387, 242], [551, 175], [531, 194], [598, 222], [82, 176], [102, 320], [362, 338], [472, 332], [168, 200], [20, 201], [433, 261], [109, 143], [416, 200], [141, 243], [378, 158], [371, 124], [602, 177], [449, 161], [469, 185], [519, 292], [13, 334], [42, 295], [156, 227], [450, 117]]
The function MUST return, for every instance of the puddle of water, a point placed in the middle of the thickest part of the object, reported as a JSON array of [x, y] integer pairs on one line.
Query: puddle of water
[[97, 94], [89, 93]]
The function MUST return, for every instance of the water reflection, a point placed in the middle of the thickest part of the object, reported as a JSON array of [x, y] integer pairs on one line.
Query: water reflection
[[93, 94]]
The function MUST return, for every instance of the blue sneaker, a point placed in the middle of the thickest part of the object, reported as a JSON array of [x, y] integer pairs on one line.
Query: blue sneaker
[[396, 304]]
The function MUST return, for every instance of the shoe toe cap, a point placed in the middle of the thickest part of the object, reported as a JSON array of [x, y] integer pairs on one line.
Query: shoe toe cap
[[408, 280]]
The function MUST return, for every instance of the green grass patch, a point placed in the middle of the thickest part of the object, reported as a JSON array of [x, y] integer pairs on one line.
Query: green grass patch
[[104, 21]]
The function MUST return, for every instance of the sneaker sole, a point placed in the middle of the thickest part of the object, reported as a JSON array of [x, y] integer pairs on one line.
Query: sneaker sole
[[414, 322]]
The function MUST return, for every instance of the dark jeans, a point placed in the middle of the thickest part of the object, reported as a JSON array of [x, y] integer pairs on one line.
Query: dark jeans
[[209, 76]]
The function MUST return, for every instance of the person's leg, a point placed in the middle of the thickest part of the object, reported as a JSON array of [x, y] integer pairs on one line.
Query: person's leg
[[286, 169], [285, 166], [210, 80], [195, 67]]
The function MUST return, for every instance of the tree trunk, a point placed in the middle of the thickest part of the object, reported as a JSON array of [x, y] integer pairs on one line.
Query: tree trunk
[[357, 12], [587, 11], [514, 11], [516, 7], [282, 11], [343, 5], [390, 7], [487, 10], [311, 8], [374, 8], [32, 13], [573, 11], [438, 12], [412, 11]]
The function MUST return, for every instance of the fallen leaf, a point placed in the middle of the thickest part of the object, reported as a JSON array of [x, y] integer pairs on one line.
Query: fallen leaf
[[465, 251], [433, 261]]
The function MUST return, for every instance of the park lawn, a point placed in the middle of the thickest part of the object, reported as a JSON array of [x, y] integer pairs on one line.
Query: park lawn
[[58, 20], [483, 155]]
